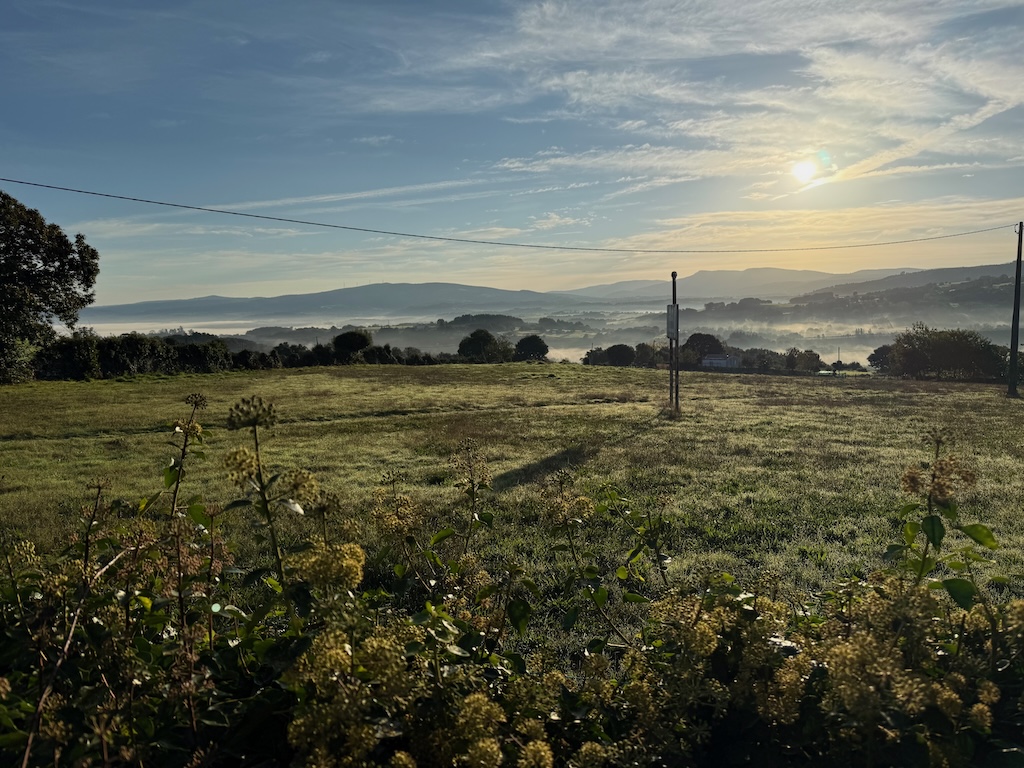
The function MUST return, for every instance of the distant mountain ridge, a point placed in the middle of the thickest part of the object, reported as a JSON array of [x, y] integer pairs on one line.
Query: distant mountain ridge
[[434, 300], [427, 299], [922, 277]]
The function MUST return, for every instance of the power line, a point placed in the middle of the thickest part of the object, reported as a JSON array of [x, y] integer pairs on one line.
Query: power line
[[470, 241]]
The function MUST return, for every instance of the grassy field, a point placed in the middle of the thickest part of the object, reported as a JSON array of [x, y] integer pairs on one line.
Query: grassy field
[[798, 477]]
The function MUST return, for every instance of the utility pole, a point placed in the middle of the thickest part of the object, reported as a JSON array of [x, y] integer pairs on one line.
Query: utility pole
[[1015, 326], [673, 349]]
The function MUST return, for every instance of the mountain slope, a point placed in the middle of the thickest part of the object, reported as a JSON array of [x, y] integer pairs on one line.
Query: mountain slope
[[386, 299], [924, 277]]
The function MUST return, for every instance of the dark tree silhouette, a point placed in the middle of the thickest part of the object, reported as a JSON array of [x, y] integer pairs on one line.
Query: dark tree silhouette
[[621, 355], [349, 344], [703, 344], [482, 347], [531, 347], [43, 277]]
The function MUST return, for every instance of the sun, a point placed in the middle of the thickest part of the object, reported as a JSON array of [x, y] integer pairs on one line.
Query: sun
[[805, 170]]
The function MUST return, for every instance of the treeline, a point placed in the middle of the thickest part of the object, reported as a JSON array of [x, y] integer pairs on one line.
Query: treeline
[[705, 350], [505, 323], [923, 352], [86, 355]]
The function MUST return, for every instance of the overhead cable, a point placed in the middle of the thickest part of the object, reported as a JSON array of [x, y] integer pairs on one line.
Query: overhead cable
[[500, 243]]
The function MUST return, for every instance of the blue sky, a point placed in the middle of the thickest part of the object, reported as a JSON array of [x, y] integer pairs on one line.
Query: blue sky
[[644, 124]]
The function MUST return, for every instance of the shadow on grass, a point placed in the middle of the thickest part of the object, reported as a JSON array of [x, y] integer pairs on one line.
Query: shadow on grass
[[573, 456]]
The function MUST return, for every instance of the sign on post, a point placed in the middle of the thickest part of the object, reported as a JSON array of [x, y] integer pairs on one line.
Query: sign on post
[[673, 322]]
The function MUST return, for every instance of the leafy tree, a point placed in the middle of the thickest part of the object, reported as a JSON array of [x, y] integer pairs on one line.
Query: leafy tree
[[621, 355], [596, 356], [43, 277], [482, 347], [320, 354], [73, 357], [881, 358], [135, 353], [921, 351], [531, 347], [415, 356], [809, 360], [291, 355], [385, 355], [703, 344], [349, 344], [211, 357], [647, 355]]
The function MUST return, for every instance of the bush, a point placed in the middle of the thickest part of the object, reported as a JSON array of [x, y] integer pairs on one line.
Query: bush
[[147, 642]]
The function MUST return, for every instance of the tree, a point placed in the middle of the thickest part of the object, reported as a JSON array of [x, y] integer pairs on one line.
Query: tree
[[70, 357], [482, 347], [703, 344], [621, 355], [291, 355], [349, 344], [809, 360], [952, 354], [646, 355], [531, 347], [43, 277], [881, 358]]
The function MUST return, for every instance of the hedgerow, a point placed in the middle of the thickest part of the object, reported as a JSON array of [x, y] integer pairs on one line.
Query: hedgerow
[[147, 642]]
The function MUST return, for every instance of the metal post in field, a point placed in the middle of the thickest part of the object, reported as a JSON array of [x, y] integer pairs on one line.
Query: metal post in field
[[1015, 326], [673, 349]]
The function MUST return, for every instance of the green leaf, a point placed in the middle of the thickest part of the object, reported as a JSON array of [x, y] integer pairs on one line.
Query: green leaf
[[948, 508], [599, 596], [895, 552], [170, 476], [531, 586], [518, 662], [962, 591], [981, 534], [486, 592], [622, 572], [237, 504], [570, 618], [441, 536], [399, 569], [908, 508], [934, 530], [15, 739], [197, 513], [487, 518], [519, 612], [910, 531], [149, 501], [633, 597]]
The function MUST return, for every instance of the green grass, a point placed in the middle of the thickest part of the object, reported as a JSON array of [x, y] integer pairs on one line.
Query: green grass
[[794, 476]]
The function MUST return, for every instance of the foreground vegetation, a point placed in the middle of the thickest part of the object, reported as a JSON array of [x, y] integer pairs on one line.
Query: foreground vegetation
[[528, 563]]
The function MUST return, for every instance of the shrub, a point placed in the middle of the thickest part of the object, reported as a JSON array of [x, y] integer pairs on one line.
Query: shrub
[[147, 642]]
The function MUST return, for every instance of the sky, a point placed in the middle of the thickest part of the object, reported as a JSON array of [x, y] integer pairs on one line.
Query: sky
[[639, 126]]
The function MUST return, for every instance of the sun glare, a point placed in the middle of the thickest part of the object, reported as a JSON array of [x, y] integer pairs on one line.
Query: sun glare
[[805, 171]]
